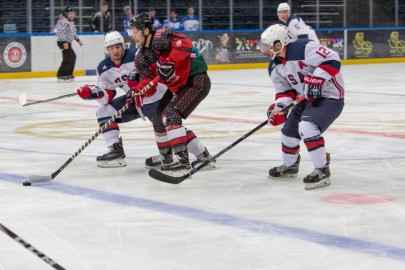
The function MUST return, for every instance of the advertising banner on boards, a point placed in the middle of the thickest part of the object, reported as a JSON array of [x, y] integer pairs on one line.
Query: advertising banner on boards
[[239, 47], [229, 47], [15, 54], [365, 44]]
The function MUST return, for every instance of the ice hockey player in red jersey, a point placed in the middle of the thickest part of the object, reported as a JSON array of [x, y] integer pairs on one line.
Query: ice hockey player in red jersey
[[171, 56], [111, 70], [296, 68]]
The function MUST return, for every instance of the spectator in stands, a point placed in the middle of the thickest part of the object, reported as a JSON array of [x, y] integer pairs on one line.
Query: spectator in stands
[[296, 26], [101, 20], [156, 23], [173, 22], [128, 17], [190, 21], [66, 32]]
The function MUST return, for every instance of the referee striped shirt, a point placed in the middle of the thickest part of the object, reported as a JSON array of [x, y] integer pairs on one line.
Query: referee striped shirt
[[66, 31]]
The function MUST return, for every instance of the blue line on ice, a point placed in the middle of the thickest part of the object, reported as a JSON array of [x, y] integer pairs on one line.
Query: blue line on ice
[[252, 225]]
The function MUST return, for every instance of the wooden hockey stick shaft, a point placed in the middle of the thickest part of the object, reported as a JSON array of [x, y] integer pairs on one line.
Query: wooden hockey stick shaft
[[23, 99], [178, 179], [41, 179], [31, 248]]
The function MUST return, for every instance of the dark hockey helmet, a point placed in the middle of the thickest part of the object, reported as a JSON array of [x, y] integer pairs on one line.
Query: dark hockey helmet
[[68, 10], [141, 21]]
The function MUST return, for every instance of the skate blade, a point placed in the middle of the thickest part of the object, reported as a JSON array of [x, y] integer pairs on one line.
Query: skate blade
[[112, 163], [156, 167], [284, 176], [320, 184]]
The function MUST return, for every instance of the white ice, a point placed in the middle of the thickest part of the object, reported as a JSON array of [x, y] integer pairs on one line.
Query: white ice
[[230, 218]]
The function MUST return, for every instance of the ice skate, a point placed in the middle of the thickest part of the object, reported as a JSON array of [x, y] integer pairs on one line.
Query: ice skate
[[63, 79], [284, 171], [154, 162], [114, 158], [319, 177], [180, 162], [203, 158]]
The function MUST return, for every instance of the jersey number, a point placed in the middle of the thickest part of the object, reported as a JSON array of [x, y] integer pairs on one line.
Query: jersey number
[[293, 80], [323, 52], [122, 79]]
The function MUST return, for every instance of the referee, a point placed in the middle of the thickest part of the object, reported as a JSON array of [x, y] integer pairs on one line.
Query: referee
[[66, 32]]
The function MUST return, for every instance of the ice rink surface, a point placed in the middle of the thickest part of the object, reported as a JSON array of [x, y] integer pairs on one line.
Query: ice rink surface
[[233, 217]]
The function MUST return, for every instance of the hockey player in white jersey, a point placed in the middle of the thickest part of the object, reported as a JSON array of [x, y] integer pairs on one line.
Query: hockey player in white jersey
[[296, 68], [297, 28], [114, 69]]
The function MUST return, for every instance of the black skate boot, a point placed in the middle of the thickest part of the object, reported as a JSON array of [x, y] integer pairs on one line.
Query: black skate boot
[[284, 171], [114, 158], [181, 162], [156, 162], [319, 177], [203, 157], [153, 162]]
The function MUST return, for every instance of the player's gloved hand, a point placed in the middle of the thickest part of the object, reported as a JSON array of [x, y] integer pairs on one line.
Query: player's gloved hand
[[165, 71], [130, 97], [133, 79], [313, 87], [133, 98], [85, 92], [275, 116]]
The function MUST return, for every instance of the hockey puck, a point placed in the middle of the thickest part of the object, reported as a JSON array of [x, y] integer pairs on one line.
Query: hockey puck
[[26, 183]]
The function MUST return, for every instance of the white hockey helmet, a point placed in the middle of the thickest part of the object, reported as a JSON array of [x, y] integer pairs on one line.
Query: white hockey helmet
[[283, 6], [276, 32], [113, 38]]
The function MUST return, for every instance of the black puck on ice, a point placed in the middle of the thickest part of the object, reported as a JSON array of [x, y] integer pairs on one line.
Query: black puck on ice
[[26, 183]]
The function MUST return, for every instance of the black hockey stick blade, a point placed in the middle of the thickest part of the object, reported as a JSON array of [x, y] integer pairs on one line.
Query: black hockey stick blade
[[178, 179], [158, 175]]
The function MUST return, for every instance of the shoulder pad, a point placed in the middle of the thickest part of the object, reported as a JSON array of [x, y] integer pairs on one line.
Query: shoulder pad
[[129, 55], [273, 63], [296, 50], [104, 65]]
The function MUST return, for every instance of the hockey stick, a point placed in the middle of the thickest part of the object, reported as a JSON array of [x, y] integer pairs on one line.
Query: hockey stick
[[33, 179], [178, 179], [28, 246], [22, 98]]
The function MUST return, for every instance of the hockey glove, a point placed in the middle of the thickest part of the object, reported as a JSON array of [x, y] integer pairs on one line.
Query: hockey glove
[[133, 98], [85, 92], [275, 116], [133, 79], [166, 71], [313, 87]]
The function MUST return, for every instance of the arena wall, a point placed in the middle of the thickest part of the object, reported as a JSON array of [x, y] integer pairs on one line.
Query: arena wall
[[28, 56]]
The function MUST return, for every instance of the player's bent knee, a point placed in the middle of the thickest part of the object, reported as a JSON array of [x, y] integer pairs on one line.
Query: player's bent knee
[[289, 141], [308, 130]]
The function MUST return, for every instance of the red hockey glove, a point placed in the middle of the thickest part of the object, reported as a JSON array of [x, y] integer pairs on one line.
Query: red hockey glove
[[133, 79], [275, 116], [85, 92], [313, 87]]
